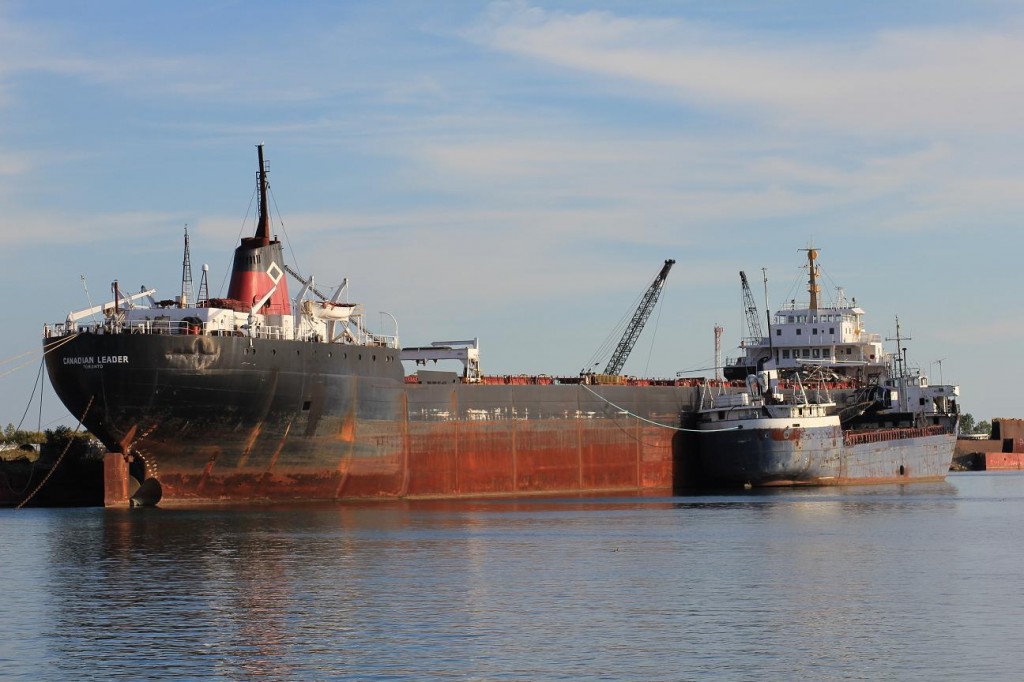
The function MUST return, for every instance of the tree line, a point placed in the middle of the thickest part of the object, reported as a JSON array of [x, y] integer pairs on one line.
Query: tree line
[[968, 425], [50, 440]]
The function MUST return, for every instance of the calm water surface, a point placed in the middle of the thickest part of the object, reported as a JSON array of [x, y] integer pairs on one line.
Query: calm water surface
[[915, 582]]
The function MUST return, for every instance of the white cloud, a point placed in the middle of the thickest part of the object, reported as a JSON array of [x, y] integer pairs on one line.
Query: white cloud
[[35, 228], [895, 81]]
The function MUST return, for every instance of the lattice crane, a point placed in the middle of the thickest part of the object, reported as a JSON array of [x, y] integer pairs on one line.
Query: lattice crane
[[636, 325], [753, 323]]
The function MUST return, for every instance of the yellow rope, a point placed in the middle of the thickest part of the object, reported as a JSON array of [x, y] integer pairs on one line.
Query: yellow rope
[[54, 346], [19, 355]]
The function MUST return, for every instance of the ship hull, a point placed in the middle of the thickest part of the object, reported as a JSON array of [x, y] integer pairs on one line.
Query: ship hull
[[764, 457], [228, 418]]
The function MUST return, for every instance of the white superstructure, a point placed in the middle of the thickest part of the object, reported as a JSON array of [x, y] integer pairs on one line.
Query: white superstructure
[[810, 334]]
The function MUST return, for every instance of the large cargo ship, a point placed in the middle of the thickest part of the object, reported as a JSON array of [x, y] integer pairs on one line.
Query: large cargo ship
[[261, 396], [825, 405]]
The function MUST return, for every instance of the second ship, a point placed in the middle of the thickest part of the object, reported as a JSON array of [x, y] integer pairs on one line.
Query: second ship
[[824, 404]]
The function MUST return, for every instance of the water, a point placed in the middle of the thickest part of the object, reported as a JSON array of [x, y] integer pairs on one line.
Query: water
[[912, 582]]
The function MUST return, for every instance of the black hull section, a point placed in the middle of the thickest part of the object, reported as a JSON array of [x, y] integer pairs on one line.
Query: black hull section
[[194, 383], [183, 405], [824, 456], [759, 457]]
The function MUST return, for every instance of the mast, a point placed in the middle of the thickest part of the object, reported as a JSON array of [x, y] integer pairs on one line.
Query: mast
[[812, 280], [768, 316], [186, 275], [718, 352], [204, 288], [263, 227], [900, 358], [900, 366]]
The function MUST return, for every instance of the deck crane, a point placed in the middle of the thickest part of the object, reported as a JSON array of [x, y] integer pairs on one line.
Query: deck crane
[[636, 325], [753, 323]]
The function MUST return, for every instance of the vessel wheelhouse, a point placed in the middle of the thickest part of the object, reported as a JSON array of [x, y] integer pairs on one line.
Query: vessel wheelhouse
[[833, 336]]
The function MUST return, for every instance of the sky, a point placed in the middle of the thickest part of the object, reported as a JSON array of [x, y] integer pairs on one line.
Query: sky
[[519, 171]]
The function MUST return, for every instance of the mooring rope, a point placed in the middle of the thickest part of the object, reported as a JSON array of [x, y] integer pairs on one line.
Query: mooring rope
[[19, 355], [39, 375], [28, 482], [651, 421], [46, 351], [14, 369], [60, 459], [57, 344]]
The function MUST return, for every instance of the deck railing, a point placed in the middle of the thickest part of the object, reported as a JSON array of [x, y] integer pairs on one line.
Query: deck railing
[[191, 328], [885, 435]]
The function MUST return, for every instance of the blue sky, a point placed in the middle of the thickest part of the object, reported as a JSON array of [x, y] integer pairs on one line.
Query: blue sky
[[518, 171]]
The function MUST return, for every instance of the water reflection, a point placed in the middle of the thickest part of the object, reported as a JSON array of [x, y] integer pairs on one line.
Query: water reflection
[[812, 583]]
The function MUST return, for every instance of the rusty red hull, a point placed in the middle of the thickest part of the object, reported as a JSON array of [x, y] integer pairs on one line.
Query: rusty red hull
[[463, 460], [238, 419], [1004, 461]]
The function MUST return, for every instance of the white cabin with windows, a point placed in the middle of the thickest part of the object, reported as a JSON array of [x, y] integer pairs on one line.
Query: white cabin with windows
[[809, 334], [834, 337]]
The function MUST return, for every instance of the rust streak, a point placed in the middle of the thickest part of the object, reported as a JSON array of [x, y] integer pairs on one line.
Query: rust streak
[[249, 443], [206, 471], [639, 453], [347, 432], [515, 449], [404, 489], [125, 443], [280, 446], [347, 435]]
